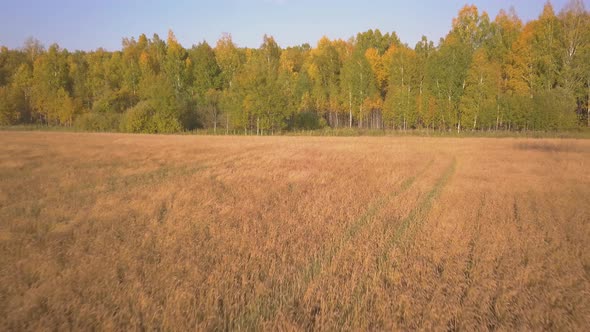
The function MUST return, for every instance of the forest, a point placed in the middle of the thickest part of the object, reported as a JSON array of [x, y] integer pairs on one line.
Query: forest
[[485, 74]]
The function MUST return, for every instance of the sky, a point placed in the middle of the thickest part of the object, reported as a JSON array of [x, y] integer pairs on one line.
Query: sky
[[89, 24]]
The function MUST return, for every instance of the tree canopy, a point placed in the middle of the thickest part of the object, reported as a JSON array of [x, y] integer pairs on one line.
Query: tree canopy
[[485, 74]]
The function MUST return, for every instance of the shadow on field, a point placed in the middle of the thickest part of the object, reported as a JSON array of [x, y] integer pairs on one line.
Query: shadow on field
[[552, 147]]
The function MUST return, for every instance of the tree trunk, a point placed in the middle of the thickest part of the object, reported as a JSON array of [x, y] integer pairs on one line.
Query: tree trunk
[[497, 115], [350, 109], [361, 116]]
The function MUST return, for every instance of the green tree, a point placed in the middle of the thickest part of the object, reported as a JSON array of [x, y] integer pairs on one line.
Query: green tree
[[50, 74], [78, 74], [65, 106], [546, 49], [403, 84], [22, 80], [479, 101], [575, 76], [228, 58], [324, 69], [205, 70], [10, 102], [295, 84], [176, 65], [357, 82]]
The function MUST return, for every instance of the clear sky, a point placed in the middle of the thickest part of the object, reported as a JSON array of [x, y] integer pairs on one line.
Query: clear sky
[[89, 24]]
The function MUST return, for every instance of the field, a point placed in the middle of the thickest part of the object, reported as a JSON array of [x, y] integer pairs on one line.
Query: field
[[134, 232]]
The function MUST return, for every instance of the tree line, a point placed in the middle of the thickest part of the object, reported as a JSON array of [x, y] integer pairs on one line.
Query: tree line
[[484, 74]]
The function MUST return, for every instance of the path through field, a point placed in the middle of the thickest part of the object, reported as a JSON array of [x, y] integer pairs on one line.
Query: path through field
[[112, 231]]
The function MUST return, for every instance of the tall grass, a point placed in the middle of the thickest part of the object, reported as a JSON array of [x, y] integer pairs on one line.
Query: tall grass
[[193, 232], [581, 133]]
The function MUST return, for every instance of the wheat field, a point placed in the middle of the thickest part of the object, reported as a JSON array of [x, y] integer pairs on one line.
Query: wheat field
[[140, 232]]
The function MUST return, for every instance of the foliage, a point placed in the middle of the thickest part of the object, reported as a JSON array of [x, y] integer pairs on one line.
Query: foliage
[[146, 118], [307, 121], [485, 74], [98, 122]]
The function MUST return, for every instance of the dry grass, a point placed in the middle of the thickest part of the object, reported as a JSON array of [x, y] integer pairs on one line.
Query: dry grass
[[123, 232]]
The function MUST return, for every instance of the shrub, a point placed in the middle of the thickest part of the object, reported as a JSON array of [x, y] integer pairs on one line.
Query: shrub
[[166, 123], [111, 101], [308, 121], [98, 121], [138, 119], [9, 103], [144, 118], [555, 110]]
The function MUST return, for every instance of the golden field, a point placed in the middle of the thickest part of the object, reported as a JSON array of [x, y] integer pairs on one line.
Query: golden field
[[136, 232]]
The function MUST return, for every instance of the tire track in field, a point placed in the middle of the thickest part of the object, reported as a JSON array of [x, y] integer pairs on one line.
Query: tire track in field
[[156, 176], [84, 193], [473, 243], [169, 172], [329, 253], [405, 230], [266, 307], [410, 224]]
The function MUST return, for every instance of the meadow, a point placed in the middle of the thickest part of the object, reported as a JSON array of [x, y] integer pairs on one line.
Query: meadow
[[165, 232]]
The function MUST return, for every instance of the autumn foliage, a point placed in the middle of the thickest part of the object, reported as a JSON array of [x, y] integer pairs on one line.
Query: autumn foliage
[[486, 74]]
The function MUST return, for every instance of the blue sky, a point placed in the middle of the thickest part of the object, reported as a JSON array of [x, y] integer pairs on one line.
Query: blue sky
[[87, 25]]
